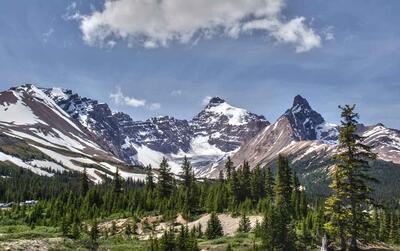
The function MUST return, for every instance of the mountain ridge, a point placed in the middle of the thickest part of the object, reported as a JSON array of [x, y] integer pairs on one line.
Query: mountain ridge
[[219, 130]]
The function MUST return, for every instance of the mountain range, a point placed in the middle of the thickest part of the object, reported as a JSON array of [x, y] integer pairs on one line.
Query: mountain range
[[54, 129]]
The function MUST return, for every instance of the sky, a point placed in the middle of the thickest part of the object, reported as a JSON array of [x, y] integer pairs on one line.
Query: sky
[[166, 57]]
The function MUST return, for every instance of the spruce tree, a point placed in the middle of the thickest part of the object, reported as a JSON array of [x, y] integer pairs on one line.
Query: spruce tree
[[257, 184], [187, 173], [283, 230], [244, 224], [182, 239], [117, 182], [75, 231], [283, 185], [150, 185], [188, 180], [128, 229], [269, 184], [337, 212], [94, 235], [167, 242], [214, 228], [165, 179], [228, 168], [84, 182], [350, 178], [192, 242], [245, 181]]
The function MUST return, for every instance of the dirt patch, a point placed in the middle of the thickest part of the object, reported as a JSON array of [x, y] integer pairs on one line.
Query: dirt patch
[[229, 224]]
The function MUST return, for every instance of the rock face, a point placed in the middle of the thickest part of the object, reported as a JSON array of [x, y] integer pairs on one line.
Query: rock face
[[308, 124]]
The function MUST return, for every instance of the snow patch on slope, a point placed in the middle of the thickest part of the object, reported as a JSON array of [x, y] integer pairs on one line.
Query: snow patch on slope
[[18, 113], [20, 163], [236, 116], [47, 164]]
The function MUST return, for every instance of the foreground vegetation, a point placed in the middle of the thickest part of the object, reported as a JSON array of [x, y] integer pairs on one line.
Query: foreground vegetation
[[72, 210]]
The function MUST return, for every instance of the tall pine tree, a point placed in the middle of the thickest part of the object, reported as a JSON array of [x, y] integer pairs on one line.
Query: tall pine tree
[[165, 179], [350, 178]]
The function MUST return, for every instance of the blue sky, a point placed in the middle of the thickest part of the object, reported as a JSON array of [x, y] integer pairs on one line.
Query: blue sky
[[342, 52]]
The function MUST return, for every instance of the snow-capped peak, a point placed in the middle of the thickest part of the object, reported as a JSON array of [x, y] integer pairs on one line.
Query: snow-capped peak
[[236, 116], [57, 93]]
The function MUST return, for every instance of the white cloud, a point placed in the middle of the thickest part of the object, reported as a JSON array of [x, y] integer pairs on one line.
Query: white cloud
[[120, 99], [176, 93], [157, 23], [328, 34], [206, 100], [46, 36], [154, 106]]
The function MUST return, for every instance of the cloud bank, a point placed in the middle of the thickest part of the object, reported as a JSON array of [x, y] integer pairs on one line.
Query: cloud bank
[[118, 98], [158, 23]]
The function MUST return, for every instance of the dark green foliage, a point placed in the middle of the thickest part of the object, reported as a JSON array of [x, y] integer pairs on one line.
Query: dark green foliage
[[150, 185], [348, 207], [244, 224], [94, 235], [165, 180], [117, 182], [214, 228], [84, 182], [229, 168]]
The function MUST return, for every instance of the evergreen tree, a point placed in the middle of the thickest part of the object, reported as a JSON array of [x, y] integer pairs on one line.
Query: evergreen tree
[[182, 239], [65, 227], [283, 185], [94, 235], [187, 173], [167, 242], [117, 182], [244, 224], [76, 231], [84, 182], [188, 177], [150, 185], [283, 230], [165, 179], [214, 228], [337, 212], [228, 168], [257, 184], [269, 184], [351, 189], [128, 229], [234, 188], [192, 242], [113, 228], [245, 176]]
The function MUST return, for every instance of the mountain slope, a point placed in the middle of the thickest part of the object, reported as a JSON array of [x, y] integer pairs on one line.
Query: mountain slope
[[31, 122]]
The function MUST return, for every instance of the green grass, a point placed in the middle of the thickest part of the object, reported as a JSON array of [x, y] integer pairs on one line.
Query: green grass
[[16, 232], [240, 241], [120, 243]]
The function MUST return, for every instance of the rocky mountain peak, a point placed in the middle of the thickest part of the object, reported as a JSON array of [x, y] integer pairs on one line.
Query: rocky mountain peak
[[300, 101], [308, 124], [214, 101]]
